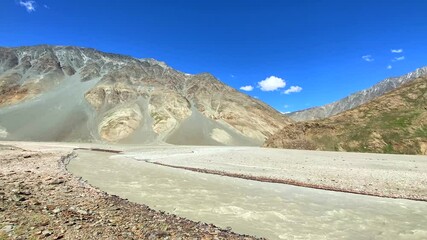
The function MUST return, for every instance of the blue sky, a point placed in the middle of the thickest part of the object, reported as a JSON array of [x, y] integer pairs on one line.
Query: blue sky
[[315, 51]]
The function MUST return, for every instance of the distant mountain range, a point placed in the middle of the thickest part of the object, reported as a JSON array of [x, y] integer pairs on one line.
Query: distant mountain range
[[57, 93], [395, 122], [357, 98]]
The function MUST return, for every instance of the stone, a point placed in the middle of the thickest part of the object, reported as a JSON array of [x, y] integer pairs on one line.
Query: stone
[[83, 212], [56, 210], [26, 192], [46, 233], [8, 228], [57, 181], [18, 198]]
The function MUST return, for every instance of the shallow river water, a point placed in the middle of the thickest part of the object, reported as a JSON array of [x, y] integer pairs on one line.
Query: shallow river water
[[274, 211]]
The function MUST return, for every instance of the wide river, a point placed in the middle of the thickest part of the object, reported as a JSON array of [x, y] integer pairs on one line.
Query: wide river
[[274, 211]]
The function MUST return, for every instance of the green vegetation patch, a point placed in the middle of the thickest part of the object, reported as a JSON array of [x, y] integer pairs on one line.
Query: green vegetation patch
[[389, 149], [421, 132], [327, 142]]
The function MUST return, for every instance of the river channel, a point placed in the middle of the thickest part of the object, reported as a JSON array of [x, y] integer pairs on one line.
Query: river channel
[[274, 211]]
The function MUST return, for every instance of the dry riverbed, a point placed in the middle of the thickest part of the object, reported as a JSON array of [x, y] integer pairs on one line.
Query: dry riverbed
[[383, 175], [40, 199]]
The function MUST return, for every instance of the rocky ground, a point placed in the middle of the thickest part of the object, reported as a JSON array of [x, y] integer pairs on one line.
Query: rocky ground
[[40, 199]]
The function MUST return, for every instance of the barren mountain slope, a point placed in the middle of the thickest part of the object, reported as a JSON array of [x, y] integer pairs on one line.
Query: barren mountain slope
[[393, 123], [55, 93], [358, 98]]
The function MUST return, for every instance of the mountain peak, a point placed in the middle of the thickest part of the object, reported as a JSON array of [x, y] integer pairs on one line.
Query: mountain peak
[[82, 94], [153, 61]]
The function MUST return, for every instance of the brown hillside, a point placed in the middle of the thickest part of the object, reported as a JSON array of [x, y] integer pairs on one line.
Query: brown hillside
[[393, 123]]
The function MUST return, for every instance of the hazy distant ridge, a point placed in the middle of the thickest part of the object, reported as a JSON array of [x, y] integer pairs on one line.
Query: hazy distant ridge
[[356, 99]]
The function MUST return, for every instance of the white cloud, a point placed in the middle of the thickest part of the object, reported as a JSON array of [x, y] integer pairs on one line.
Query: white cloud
[[247, 88], [285, 112], [398, 59], [389, 67], [271, 83], [368, 58], [256, 97], [231, 75], [293, 89], [46, 6], [286, 106], [396, 50], [29, 5]]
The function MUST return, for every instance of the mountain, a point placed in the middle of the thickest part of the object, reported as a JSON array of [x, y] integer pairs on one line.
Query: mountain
[[357, 98], [57, 93], [393, 123]]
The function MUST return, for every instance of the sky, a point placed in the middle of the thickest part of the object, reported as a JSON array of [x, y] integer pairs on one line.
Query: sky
[[290, 54]]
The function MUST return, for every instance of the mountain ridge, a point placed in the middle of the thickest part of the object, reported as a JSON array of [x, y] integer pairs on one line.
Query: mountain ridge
[[118, 98], [356, 99], [395, 122]]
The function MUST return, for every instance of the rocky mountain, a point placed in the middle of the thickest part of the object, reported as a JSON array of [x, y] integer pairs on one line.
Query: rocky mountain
[[56, 93], [393, 123], [357, 98]]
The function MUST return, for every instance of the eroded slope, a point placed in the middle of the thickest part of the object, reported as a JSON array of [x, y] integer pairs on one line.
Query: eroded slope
[[393, 123], [54, 93]]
